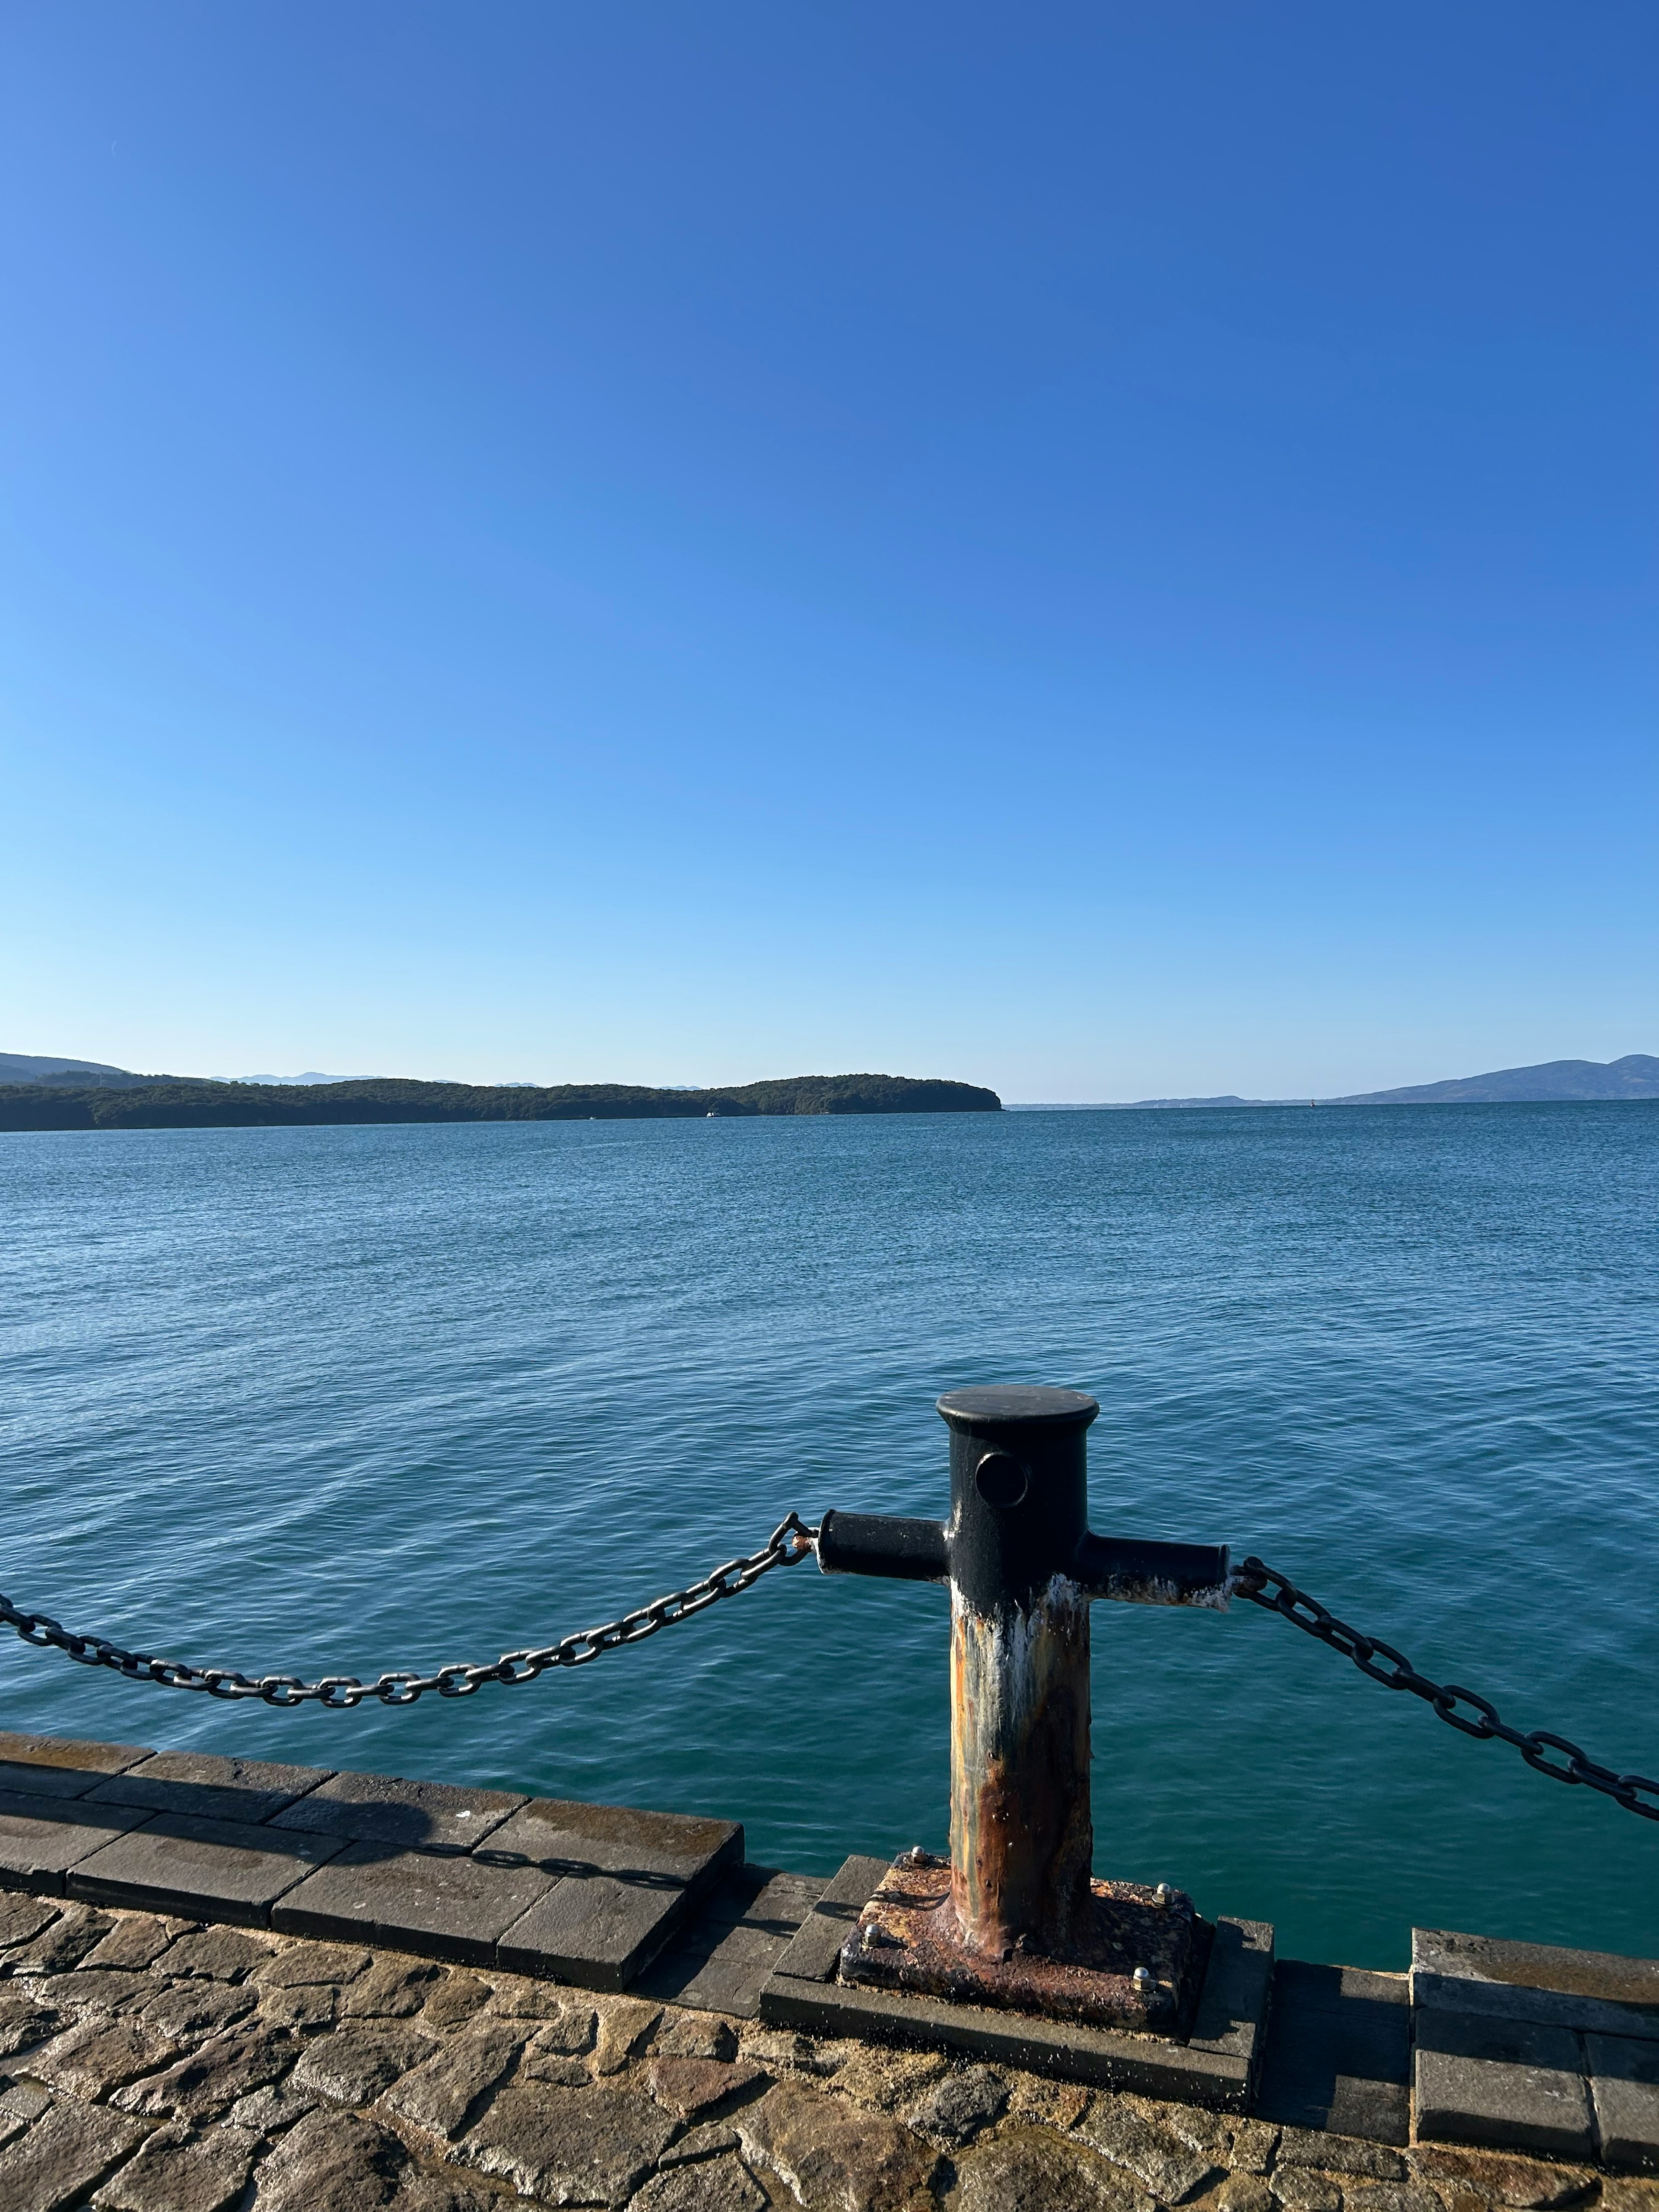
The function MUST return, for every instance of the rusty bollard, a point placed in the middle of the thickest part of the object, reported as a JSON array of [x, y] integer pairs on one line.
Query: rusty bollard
[[1015, 1918]]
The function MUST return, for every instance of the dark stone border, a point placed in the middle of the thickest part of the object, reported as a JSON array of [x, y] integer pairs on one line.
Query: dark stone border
[[1215, 2066]]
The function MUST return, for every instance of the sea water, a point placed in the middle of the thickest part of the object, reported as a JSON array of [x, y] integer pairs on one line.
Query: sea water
[[342, 1400]]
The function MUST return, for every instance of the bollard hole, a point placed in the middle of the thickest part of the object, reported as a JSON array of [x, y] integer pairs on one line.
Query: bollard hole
[[1000, 1479]]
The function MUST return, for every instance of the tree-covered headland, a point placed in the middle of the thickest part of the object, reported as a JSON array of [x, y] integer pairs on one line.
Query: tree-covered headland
[[181, 1102]]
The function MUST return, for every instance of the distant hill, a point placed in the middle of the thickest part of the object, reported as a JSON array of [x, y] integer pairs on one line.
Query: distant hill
[[1635, 1076], [176, 1102], [82, 1074], [1227, 1099], [1136, 1105]]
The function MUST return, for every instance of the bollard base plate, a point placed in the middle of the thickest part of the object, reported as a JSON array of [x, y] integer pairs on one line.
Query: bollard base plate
[[908, 1939]]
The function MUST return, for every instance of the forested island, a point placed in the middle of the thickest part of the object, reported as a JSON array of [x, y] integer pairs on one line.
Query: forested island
[[187, 1102]]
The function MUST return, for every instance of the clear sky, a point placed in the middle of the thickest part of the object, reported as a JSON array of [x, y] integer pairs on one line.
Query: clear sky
[[1100, 549]]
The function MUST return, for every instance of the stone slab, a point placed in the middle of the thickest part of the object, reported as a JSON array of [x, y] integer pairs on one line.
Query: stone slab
[[622, 1882], [441, 1904], [812, 1953], [383, 1808], [60, 1767], [1588, 1990], [720, 1960], [565, 1837], [65, 2156], [1507, 2085], [1109, 2058], [1216, 2068], [1231, 2012], [1624, 2093], [231, 1870], [41, 1837], [206, 1788], [1338, 2055], [597, 1933]]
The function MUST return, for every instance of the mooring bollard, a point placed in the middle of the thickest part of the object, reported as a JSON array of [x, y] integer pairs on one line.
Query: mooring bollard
[[1014, 1918]]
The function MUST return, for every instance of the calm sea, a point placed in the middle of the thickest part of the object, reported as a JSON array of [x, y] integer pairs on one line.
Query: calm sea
[[341, 1399]]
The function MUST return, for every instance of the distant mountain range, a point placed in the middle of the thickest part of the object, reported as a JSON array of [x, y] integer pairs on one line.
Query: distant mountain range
[[398, 1099], [39, 1067], [310, 1075], [1635, 1076]]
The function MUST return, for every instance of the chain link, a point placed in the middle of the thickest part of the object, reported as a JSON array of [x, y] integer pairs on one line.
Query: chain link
[[791, 1541], [1263, 1586]]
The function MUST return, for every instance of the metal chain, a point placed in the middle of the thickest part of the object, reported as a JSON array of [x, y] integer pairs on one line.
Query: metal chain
[[791, 1541], [1263, 1586]]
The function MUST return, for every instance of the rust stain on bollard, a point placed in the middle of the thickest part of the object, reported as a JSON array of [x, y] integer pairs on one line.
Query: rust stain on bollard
[[1021, 1836]]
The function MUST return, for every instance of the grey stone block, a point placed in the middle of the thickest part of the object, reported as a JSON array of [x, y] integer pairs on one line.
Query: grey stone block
[[597, 1933], [579, 1841], [442, 1906], [206, 1788], [1168, 2169], [1624, 2091], [1509, 2085], [1232, 2000], [720, 1961], [355, 2062], [444, 2092], [1300, 2150], [209, 2080], [1338, 2054], [200, 1869], [217, 1955], [60, 1767], [722, 2185], [1599, 1991], [381, 1808], [22, 1917], [61, 2160], [622, 1882], [332, 2161], [582, 2146], [41, 1837], [177, 2172], [828, 2153], [812, 1953], [961, 2106], [1030, 2170], [96, 2055]]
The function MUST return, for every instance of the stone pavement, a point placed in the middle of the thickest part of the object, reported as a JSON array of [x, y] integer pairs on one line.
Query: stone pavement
[[151, 2064], [228, 1984]]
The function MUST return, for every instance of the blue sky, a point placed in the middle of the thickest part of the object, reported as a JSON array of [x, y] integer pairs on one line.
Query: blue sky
[[1105, 550]]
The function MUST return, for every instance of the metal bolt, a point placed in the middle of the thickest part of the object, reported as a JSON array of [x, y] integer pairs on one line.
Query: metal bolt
[[1163, 1896], [1144, 1982]]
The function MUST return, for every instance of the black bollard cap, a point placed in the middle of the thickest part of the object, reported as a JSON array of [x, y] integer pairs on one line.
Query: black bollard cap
[[975, 1412], [1019, 1504]]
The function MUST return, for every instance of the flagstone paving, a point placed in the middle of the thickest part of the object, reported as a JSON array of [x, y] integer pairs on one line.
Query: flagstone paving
[[148, 2063]]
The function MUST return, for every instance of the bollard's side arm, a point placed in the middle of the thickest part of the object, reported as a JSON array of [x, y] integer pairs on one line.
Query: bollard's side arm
[[1140, 1572], [903, 1549]]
